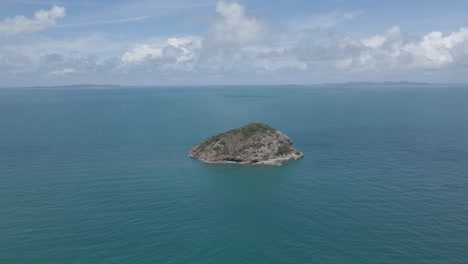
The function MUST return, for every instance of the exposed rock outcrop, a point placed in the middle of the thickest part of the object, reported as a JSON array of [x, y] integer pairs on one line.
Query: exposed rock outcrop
[[255, 143]]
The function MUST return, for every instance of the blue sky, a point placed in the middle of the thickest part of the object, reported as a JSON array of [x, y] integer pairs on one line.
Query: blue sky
[[184, 42]]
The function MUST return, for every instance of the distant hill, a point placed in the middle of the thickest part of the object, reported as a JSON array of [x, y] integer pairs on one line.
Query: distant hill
[[79, 86], [381, 83]]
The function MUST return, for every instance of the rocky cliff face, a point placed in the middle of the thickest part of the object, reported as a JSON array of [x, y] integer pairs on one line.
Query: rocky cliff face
[[255, 144]]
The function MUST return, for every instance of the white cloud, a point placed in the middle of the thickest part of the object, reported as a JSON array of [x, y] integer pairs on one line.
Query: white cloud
[[228, 43], [436, 51], [142, 51], [234, 27], [178, 54], [42, 19], [184, 47], [432, 51], [390, 52], [64, 71]]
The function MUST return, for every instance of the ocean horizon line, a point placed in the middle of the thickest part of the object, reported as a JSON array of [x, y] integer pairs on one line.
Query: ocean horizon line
[[354, 83]]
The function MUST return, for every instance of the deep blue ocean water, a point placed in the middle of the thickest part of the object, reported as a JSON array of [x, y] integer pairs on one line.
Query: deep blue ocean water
[[102, 176]]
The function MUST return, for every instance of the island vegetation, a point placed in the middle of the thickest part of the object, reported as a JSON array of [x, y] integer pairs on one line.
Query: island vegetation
[[255, 143]]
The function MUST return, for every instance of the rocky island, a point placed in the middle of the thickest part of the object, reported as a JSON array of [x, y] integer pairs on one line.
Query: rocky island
[[255, 143]]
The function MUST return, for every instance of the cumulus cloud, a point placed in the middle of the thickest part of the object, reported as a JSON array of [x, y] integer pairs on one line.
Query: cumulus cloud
[[180, 49], [234, 27], [42, 19], [142, 51], [436, 51], [397, 51], [230, 41], [392, 51], [179, 54]]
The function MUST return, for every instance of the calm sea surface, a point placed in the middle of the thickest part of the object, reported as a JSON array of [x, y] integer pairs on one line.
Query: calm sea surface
[[102, 176]]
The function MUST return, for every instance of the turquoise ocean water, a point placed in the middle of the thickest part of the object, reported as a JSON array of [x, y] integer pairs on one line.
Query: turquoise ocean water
[[102, 176]]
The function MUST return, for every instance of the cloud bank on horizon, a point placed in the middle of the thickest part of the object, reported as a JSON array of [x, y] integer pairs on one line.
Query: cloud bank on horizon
[[223, 43]]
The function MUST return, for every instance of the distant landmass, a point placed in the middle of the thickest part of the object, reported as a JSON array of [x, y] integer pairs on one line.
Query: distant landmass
[[382, 83], [255, 143], [78, 86]]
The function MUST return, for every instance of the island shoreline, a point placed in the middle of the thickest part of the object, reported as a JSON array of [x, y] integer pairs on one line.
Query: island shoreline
[[276, 161]]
